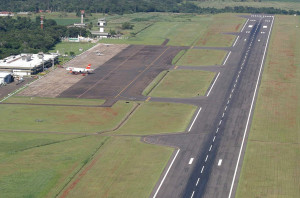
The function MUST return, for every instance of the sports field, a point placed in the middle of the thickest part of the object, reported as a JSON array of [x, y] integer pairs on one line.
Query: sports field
[[271, 164]]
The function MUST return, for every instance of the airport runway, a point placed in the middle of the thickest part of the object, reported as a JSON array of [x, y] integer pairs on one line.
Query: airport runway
[[209, 155]]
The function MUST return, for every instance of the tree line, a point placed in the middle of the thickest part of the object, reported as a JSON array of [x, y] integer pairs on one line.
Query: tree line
[[129, 6], [22, 35]]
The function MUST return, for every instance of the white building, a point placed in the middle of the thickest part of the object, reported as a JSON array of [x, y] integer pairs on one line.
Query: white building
[[27, 64], [5, 77], [101, 34]]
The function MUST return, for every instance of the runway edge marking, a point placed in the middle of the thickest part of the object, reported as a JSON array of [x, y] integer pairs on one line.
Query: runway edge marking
[[213, 85], [250, 111], [194, 120], [162, 181]]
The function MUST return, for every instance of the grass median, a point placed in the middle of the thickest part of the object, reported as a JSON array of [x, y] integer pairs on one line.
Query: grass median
[[183, 84], [156, 118], [200, 57]]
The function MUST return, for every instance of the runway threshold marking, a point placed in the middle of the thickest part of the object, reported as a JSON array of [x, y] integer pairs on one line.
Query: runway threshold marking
[[250, 111], [191, 160], [162, 181], [141, 73], [194, 120], [213, 84]]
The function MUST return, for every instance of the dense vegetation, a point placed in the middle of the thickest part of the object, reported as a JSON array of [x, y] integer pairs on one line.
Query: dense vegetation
[[128, 6], [22, 35]]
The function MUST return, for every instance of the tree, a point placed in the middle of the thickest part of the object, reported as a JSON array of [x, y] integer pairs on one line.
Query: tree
[[127, 25]]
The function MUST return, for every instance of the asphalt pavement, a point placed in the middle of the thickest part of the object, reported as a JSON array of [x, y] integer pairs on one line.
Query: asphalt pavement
[[209, 154]]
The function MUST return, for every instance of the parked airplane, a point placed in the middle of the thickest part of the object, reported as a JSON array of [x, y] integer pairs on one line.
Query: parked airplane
[[77, 70]]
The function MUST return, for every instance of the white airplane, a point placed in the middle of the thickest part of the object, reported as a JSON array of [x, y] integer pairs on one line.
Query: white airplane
[[77, 70]]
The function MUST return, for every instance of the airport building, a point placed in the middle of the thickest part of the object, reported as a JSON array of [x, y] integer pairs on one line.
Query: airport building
[[6, 77], [27, 64]]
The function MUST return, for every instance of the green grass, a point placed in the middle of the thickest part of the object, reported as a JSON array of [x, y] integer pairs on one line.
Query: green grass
[[280, 4], [183, 83], [42, 171], [155, 118], [271, 165], [181, 29], [126, 168], [67, 47], [62, 119], [178, 57], [60, 101], [197, 57], [154, 83]]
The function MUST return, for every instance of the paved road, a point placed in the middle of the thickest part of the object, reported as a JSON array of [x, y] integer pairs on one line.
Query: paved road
[[208, 157]]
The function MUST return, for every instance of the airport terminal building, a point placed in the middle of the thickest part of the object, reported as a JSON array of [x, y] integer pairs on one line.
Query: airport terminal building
[[28, 64]]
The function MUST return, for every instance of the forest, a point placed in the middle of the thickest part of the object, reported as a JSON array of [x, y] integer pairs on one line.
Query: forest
[[22, 35], [129, 6]]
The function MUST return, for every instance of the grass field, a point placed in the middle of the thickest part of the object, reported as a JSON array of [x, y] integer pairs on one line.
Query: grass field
[[280, 4], [62, 118], [64, 48], [60, 101], [197, 57], [37, 165], [183, 83], [124, 167], [180, 29], [271, 164], [151, 118]]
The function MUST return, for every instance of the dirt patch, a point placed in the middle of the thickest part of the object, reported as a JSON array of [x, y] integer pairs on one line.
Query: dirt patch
[[237, 27], [60, 80]]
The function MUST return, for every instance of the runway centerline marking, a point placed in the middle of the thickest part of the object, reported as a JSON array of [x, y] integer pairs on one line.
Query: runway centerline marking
[[197, 181], [210, 147], [214, 139], [191, 160], [206, 158], [194, 120], [162, 181], [250, 111], [213, 84], [193, 194], [202, 169]]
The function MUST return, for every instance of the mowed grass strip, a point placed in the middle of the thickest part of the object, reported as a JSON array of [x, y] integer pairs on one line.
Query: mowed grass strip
[[271, 164], [183, 84], [155, 118], [213, 35], [42, 171], [59, 101], [125, 168], [200, 57], [62, 118]]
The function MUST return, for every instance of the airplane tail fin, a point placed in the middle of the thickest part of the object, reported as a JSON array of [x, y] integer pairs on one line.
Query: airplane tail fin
[[89, 66]]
